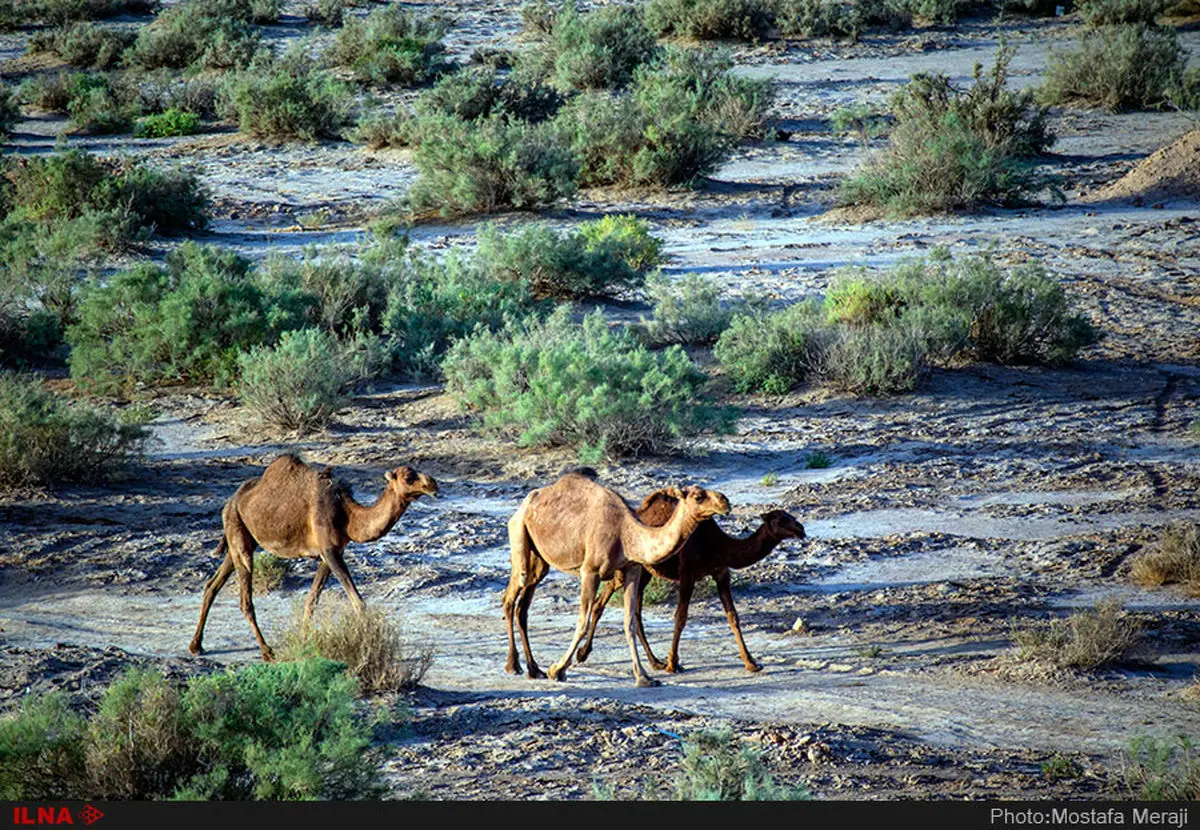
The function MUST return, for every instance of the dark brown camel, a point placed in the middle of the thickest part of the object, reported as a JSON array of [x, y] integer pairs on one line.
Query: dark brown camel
[[293, 510], [578, 526], [709, 551]]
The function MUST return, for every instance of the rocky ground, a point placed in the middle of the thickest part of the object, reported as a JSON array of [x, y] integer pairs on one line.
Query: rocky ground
[[992, 498]]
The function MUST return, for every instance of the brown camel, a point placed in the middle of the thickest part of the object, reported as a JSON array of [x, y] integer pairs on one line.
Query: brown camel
[[709, 551], [578, 526], [293, 510]]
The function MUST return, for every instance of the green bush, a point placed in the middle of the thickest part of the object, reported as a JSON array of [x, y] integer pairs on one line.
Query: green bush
[[10, 112], [591, 387], [339, 294], [196, 33], [956, 149], [185, 321], [687, 311], [599, 49], [1156, 769], [391, 46], [716, 767], [85, 44], [288, 99], [46, 439], [1118, 68], [163, 90], [372, 648], [1108, 12], [96, 107], [481, 167], [41, 750], [299, 384], [476, 94], [710, 19], [839, 18], [171, 122], [601, 258], [874, 360], [380, 129], [326, 12], [50, 92], [934, 11], [772, 352]]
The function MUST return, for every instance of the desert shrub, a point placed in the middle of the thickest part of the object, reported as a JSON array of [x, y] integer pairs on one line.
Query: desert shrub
[[956, 149], [480, 167], [269, 572], [85, 44], [476, 94], [716, 767], [1156, 769], [838, 18], [862, 120], [163, 90], [710, 19], [46, 439], [299, 384], [10, 113], [184, 321], [1085, 640], [29, 335], [41, 749], [1118, 68], [934, 11], [288, 99], [599, 49], [198, 34], [1108, 12], [601, 258], [372, 648], [874, 360], [326, 12], [97, 107], [1175, 560], [772, 352], [686, 311], [171, 122], [339, 294], [381, 129], [591, 387], [390, 46], [50, 92]]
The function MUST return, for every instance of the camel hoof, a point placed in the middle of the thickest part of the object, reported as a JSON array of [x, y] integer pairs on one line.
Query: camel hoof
[[753, 667], [647, 683], [196, 648], [581, 655], [673, 668], [268, 655], [558, 675], [536, 674], [512, 668]]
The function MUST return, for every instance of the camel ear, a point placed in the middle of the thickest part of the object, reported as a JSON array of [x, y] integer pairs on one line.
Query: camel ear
[[389, 475]]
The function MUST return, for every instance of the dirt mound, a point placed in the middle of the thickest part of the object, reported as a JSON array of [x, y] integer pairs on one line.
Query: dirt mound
[[1172, 172]]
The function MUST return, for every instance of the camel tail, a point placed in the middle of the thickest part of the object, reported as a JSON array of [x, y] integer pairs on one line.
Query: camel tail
[[221, 547]]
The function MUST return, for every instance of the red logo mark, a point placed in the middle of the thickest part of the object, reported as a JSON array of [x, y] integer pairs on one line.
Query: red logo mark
[[90, 814]]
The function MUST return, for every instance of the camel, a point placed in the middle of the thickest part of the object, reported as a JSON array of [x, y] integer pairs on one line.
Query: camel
[[709, 551], [578, 526], [293, 510]]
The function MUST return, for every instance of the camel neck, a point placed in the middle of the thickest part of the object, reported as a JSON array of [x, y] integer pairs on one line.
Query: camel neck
[[366, 524], [655, 544], [743, 553]]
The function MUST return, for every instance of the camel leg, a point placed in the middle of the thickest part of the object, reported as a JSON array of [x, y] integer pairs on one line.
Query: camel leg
[[597, 611], [589, 582], [211, 589], [314, 593], [537, 574], [686, 583], [633, 612], [241, 550], [511, 594], [641, 630], [333, 559], [722, 581]]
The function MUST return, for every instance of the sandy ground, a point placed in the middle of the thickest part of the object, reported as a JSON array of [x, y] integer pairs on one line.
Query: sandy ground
[[993, 497]]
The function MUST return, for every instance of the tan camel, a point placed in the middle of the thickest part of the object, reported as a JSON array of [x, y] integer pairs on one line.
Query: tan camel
[[294, 510], [577, 526], [709, 551]]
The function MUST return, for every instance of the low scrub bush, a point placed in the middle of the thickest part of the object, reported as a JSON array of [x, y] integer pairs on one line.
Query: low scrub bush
[[772, 352], [1157, 769], [326, 12], [378, 130], [601, 258], [1108, 12], [690, 310], [10, 112], [1176, 560], [269, 572], [874, 360], [299, 384], [591, 387], [476, 94], [46, 439], [163, 90], [41, 750], [944, 12], [288, 99], [710, 19], [391, 46], [95, 106], [50, 92], [371, 646], [481, 167], [839, 18], [88, 45], [1085, 640], [172, 122], [956, 149], [1119, 68], [716, 767], [184, 321], [202, 34], [599, 49]]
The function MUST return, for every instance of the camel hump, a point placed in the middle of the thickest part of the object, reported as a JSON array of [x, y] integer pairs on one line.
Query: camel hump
[[586, 472], [657, 507]]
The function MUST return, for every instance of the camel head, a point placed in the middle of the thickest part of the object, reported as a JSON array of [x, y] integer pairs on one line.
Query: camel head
[[783, 525], [705, 504], [409, 484]]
